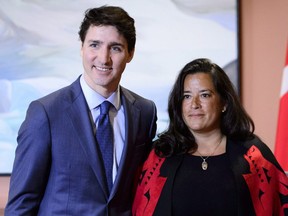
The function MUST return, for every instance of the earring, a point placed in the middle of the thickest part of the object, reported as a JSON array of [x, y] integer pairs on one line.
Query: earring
[[224, 109]]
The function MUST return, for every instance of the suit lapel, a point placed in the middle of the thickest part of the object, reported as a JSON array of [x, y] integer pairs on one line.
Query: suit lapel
[[79, 115], [132, 115], [168, 169], [239, 166]]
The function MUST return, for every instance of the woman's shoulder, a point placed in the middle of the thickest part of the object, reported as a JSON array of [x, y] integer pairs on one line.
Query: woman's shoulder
[[153, 160], [258, 150], [257, 142], [250, 141]]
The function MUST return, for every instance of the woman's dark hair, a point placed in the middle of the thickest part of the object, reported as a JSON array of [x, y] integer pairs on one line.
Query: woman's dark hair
[[110, 16], [235, 123]]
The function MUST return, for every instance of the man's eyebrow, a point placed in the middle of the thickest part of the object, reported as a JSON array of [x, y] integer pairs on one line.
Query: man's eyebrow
[[110, 44], [116, 44], [94, 41]]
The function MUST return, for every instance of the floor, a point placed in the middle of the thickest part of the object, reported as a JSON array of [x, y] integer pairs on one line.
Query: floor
[[4, 187]]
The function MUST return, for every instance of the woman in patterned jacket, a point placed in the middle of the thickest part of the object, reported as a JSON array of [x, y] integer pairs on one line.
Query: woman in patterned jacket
[[209, 161]]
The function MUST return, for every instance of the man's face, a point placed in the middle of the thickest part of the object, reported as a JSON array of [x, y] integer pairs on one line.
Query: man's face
[[105, 55]]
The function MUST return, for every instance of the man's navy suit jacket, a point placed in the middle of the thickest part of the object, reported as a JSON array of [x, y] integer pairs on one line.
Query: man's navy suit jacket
[[57, 168]]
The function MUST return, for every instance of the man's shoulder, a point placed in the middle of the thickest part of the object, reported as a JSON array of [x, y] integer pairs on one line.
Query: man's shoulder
[[135, 97], [64, 94]]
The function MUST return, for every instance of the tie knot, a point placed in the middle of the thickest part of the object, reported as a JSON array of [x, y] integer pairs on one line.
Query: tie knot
[[104, 107]]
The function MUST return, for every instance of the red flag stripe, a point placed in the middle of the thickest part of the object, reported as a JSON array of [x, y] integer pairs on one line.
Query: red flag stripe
[[284, 85], [281, 145], [286, 62], [281, 150]]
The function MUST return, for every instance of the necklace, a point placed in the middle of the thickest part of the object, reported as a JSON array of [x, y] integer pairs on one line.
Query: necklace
[[204, 163]]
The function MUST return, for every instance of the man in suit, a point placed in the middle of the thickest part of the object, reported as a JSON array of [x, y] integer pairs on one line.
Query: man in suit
[[58, 167]]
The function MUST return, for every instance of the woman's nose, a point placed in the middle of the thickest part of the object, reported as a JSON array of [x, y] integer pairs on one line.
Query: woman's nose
[[195, 103]]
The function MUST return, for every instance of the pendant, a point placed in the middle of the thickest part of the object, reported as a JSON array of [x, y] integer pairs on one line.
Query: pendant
[[204, 165]]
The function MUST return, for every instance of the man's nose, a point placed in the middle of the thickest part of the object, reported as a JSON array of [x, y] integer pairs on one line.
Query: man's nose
[[104, 55]]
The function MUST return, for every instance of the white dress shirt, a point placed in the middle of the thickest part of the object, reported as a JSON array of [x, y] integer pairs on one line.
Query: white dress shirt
[[116, 115]]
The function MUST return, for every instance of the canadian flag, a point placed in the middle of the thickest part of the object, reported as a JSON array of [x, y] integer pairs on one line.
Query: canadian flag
[[281, 145]]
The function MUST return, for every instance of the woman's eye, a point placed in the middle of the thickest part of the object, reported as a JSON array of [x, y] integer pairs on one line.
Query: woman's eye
[[205, 95], [186, 96]]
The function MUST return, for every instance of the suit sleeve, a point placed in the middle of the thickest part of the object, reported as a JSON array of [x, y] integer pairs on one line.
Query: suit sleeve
[[154, 123], [32, 163]]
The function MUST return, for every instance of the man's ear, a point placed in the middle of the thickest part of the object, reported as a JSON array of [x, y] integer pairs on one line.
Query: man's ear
[[131, 54]]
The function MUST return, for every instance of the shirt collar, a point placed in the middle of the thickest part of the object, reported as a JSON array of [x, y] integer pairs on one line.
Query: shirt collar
[[94, 99]]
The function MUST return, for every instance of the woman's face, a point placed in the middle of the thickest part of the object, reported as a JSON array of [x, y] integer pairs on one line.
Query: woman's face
[[201, 106]]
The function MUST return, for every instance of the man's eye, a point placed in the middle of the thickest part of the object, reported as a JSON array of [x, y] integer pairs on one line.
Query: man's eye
[[93, 45], [116, 48]]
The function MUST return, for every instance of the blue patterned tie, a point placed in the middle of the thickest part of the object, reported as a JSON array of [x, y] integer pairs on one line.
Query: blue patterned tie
[[104, 136]]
